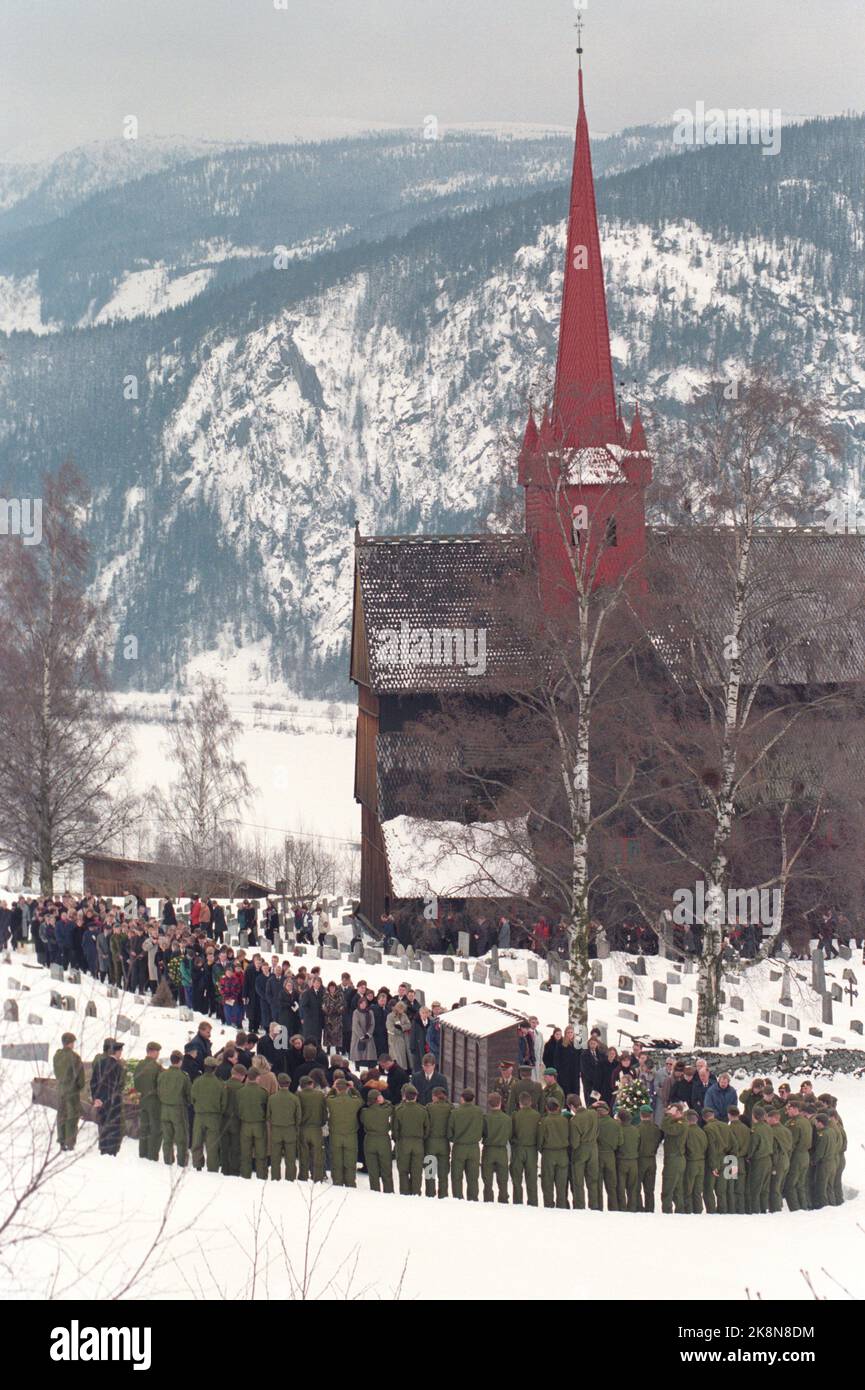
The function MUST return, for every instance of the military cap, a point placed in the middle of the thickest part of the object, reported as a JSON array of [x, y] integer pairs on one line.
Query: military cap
[[550, 1071], [210, 1062], [602, 1105], [284, 1079], [646, 1110]]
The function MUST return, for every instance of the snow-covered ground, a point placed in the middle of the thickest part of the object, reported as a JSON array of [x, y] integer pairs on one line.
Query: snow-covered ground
[[99, 1217]]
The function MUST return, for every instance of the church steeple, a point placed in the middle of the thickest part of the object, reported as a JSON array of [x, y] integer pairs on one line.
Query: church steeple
[[584, 405]]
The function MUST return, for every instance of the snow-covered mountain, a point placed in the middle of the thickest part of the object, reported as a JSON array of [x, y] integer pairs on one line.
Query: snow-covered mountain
[[237, 410]]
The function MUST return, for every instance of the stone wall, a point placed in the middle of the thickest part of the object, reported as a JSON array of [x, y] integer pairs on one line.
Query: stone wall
[[792, 1061]]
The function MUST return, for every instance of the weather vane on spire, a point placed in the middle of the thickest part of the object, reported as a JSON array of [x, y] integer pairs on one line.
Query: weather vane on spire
[[578, 5]]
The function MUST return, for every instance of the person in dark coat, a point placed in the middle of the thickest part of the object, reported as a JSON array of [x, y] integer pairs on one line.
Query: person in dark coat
[[567, 1062], [594, 1072], [311, 1012], [428, 1079], [397, 1077], [250, 992], [551, 1048], [200, 1046], [107, 1083], [276, 1056]]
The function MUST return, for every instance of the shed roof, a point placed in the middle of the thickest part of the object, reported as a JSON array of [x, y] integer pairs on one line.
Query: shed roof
[[482, 1020]]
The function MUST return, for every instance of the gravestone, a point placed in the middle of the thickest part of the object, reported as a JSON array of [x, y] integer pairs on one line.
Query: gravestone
[[787, 1040], [673, 979], [555, 968], [532, 968], [775, 975], [56, 972], [25, 1052], [837, 993], [124, 1024], [730, 1041], [90, 1010], [687, 1004], [600, 991], [626, 983], [410, 952], [777, 1019], [330, 940], [793, 1024], [34, 1018], [464, 969], [74, 977], [54, 1000], [564, 989], [737, 1003], [764, 1032], [659, 992], [140, 999], [134, 1030], [496, 979], [464, 943], [479, 975], [844, 951], [372, 957], [14, 984], [678, 1013], [299, 951], [330, 953], [10, 1011], [507, 979], [185, 1015], [818, 972], [494, 958], [638, 967], [815, 1032], [448, 963], [355, 957], [625, 998], [856, 1026], [603, 948], [826, 1016], [628, 1013], [597, 969], [112, 992], [764, 1015], [243, 939], [786, 986]]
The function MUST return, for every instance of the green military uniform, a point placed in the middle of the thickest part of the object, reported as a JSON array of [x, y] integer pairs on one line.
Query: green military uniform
[[436, 1147], [230, 1146], [465, 1131], [696, 1145], [738, 1144], [252, 1110], [410, 1129], [782, 1150], [673, 1176], [822, 1167], [69, 1070], [313, 1114], [628, 1167], [585, 1174], [525, 1124], [208, 1102], [376, 1121], [553, 1137], [747, 1100], [759, 1167], [609, 1143], [535, 1090], [836, 1193], [342, 1112], [647, 1162], [714, 1187], [283, 1123], [796, 1187], [553, 1092], [494, 1159], [175, 1098], [147, 1074]]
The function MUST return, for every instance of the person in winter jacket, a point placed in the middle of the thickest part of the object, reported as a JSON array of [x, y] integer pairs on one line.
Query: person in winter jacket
[[595, 1073], [311, 1013], [363, 1039], [107, 1082], [398, 1030], [332, 1010], [720, 1095]]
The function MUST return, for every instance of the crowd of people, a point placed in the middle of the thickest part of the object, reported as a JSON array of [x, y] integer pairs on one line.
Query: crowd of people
[[304, 1114]]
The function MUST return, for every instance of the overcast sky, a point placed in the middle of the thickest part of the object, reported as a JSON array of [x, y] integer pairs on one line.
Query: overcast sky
[[71, 70]]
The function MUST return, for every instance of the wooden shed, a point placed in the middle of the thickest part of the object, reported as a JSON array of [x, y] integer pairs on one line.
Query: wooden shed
[[475, 1039]]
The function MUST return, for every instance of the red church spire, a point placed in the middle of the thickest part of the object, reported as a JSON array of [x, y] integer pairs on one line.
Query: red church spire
[[585, 398], [637, 441]]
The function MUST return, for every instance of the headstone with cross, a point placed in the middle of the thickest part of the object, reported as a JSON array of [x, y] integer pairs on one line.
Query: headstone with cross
[[852, 991]]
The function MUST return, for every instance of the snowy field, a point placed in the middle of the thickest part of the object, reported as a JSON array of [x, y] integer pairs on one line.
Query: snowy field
[[107, 1227]]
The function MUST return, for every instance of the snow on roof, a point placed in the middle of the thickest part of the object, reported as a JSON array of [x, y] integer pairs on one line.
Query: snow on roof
[[598, 464], [481, 1020], [491, 860]]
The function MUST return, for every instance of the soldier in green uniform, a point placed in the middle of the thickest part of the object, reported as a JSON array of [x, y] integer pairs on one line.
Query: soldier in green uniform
[[736, 1162], [759, 1162], [696, 1145], [252, 1109], [313, 1115], [749, 1098], [208, 1102], [410, 1129], [524, 1150], [836, 1192], [437, 1151], [782, 1149], [69, 1070], [801, 1131], [504, 1082], [375, 1119], [147, 1074], [714, 1188], [465, 1131], [627, 1164], [525, 1082], [551, 1089], [673, 1128], [175, 1098], [230, 1146], [822, 1162], [583, 1127], [494, 1157], [647, 1162], [343, 1106], [553, 1139], [609, 1143], [283, 1123]]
